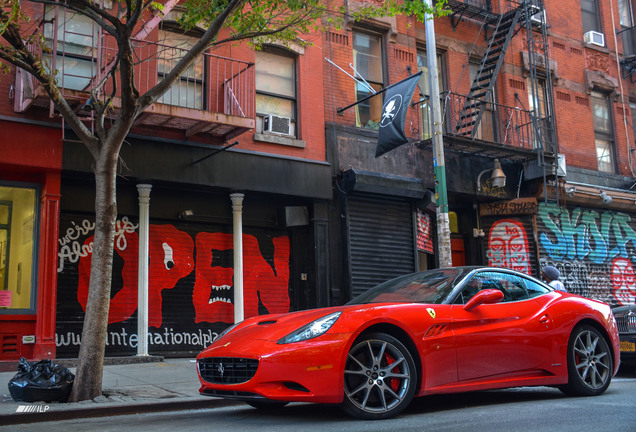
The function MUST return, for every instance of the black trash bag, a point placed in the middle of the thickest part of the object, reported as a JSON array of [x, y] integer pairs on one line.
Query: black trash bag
[[41, 381]]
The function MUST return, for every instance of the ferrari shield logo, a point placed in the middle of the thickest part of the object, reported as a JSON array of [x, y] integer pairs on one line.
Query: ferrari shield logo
[[431, 312]]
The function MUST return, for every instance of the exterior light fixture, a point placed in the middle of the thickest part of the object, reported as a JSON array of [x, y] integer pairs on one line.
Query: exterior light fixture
[[606, 198], [498, 177], [185, 213], [570, 191]]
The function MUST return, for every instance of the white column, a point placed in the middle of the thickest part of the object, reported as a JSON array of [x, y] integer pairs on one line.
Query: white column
[[237, 218], [142, 277]]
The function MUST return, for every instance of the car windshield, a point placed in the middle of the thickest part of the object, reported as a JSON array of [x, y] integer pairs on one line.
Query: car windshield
[[432, 286]]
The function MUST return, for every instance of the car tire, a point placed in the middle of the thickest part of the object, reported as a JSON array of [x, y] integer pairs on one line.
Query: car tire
[[379, 378], [590, 363]]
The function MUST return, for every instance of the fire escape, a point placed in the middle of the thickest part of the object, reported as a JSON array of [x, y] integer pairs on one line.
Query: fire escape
[[213, 100], [628, 60], [474, 123]]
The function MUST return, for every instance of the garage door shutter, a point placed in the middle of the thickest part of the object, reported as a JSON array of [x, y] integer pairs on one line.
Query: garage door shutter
[[381, 240]]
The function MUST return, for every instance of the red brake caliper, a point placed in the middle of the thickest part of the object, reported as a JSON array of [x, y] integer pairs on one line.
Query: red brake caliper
[[394, 383]]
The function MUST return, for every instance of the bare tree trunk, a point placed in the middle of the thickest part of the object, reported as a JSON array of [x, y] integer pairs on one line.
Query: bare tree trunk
[[88, 379]]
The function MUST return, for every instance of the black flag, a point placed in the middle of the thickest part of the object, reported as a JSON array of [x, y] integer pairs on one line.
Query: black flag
[[396, 103]]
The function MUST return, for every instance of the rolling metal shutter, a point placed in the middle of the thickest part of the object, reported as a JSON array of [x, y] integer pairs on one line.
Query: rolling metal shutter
[[381, 240]]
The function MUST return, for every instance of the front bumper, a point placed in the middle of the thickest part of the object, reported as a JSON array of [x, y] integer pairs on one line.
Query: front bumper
[[309, 371]]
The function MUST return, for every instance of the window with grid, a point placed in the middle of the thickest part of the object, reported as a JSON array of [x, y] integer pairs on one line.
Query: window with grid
[[276, 94], [367, 61], [76, 48], [188, 90], [603, 131]]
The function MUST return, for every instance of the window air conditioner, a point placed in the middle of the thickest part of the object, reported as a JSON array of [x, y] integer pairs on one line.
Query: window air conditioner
[[594, 38], [277, 124], [537, 19], [561, 169]]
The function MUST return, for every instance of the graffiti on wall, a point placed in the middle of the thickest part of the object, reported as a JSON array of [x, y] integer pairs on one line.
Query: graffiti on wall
[[190, 283], [424, 238], [508, 245], [594, 250]]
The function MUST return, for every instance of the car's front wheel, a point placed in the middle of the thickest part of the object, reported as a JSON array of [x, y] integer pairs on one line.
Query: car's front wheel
[[379, 377], [589, 363]]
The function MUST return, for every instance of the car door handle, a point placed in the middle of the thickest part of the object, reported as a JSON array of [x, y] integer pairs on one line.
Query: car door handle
[[544, 319]]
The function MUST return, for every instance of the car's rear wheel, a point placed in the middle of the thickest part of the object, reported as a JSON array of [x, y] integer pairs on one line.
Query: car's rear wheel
[[379, 377], [589, 363]]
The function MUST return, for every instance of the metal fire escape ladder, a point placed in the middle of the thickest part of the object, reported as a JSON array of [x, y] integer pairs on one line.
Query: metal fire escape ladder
[[545, 140], [486, 77]]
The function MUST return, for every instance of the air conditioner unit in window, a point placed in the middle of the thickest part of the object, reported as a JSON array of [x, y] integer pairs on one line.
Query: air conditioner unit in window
[[594, 38], [277, 124], [538, 18]]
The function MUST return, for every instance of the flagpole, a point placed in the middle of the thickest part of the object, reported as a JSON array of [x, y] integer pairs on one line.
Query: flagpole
[[379, 92], [439, 168]]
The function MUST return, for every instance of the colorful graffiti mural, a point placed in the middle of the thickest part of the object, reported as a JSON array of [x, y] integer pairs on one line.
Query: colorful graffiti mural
[[190, 279], [594, 249]]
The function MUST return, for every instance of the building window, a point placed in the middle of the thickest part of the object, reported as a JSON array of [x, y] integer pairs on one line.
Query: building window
[[18, 226], [590, 16], [539, 104], [486, 130], [603, 132], [367, 61], [276, 91], [188, 90], [426, 114], [75, 51], [627, 22]]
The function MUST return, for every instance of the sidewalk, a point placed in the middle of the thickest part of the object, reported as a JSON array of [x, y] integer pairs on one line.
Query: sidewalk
[[163, 385]]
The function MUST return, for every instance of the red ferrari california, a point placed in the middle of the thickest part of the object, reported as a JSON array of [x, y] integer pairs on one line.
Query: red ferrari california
[[439, 331]]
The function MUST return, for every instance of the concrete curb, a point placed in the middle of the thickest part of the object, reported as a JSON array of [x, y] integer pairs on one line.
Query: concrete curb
[[114, 409]]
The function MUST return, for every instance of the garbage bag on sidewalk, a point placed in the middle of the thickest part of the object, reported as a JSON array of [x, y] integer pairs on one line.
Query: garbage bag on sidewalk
[[41, 381]]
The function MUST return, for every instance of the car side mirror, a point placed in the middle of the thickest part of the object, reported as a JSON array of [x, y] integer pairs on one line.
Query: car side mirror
[[487, 296]]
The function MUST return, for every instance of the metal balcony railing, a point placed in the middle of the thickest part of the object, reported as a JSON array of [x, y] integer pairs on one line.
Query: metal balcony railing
[[501, 126], [628, 60], [214, 84]]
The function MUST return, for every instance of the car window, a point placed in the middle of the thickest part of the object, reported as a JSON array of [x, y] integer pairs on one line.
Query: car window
[[513, 287], [535, 289]]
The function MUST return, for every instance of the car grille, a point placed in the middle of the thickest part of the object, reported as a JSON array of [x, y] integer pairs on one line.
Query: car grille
[[227, 370], [626, 323]]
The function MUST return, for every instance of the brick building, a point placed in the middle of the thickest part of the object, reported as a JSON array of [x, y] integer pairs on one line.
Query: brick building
[[241, 133], [545, 91], [543, 88]]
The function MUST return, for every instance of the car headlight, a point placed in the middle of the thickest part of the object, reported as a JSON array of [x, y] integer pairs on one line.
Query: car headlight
[[311, 330]]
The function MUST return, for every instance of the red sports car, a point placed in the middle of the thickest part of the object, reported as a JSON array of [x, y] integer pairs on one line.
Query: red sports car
[[439, 331]]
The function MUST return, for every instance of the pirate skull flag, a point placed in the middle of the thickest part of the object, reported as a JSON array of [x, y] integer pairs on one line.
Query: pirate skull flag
[[396, 103]]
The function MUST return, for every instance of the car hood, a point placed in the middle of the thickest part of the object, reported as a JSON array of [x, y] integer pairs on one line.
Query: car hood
[[274, 327]]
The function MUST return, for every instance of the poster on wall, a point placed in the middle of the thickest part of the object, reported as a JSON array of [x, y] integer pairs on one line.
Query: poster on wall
[[190, 282]]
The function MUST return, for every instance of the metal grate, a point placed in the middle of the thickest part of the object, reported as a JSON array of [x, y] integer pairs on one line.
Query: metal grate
[[626, 323], [227, 370]]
